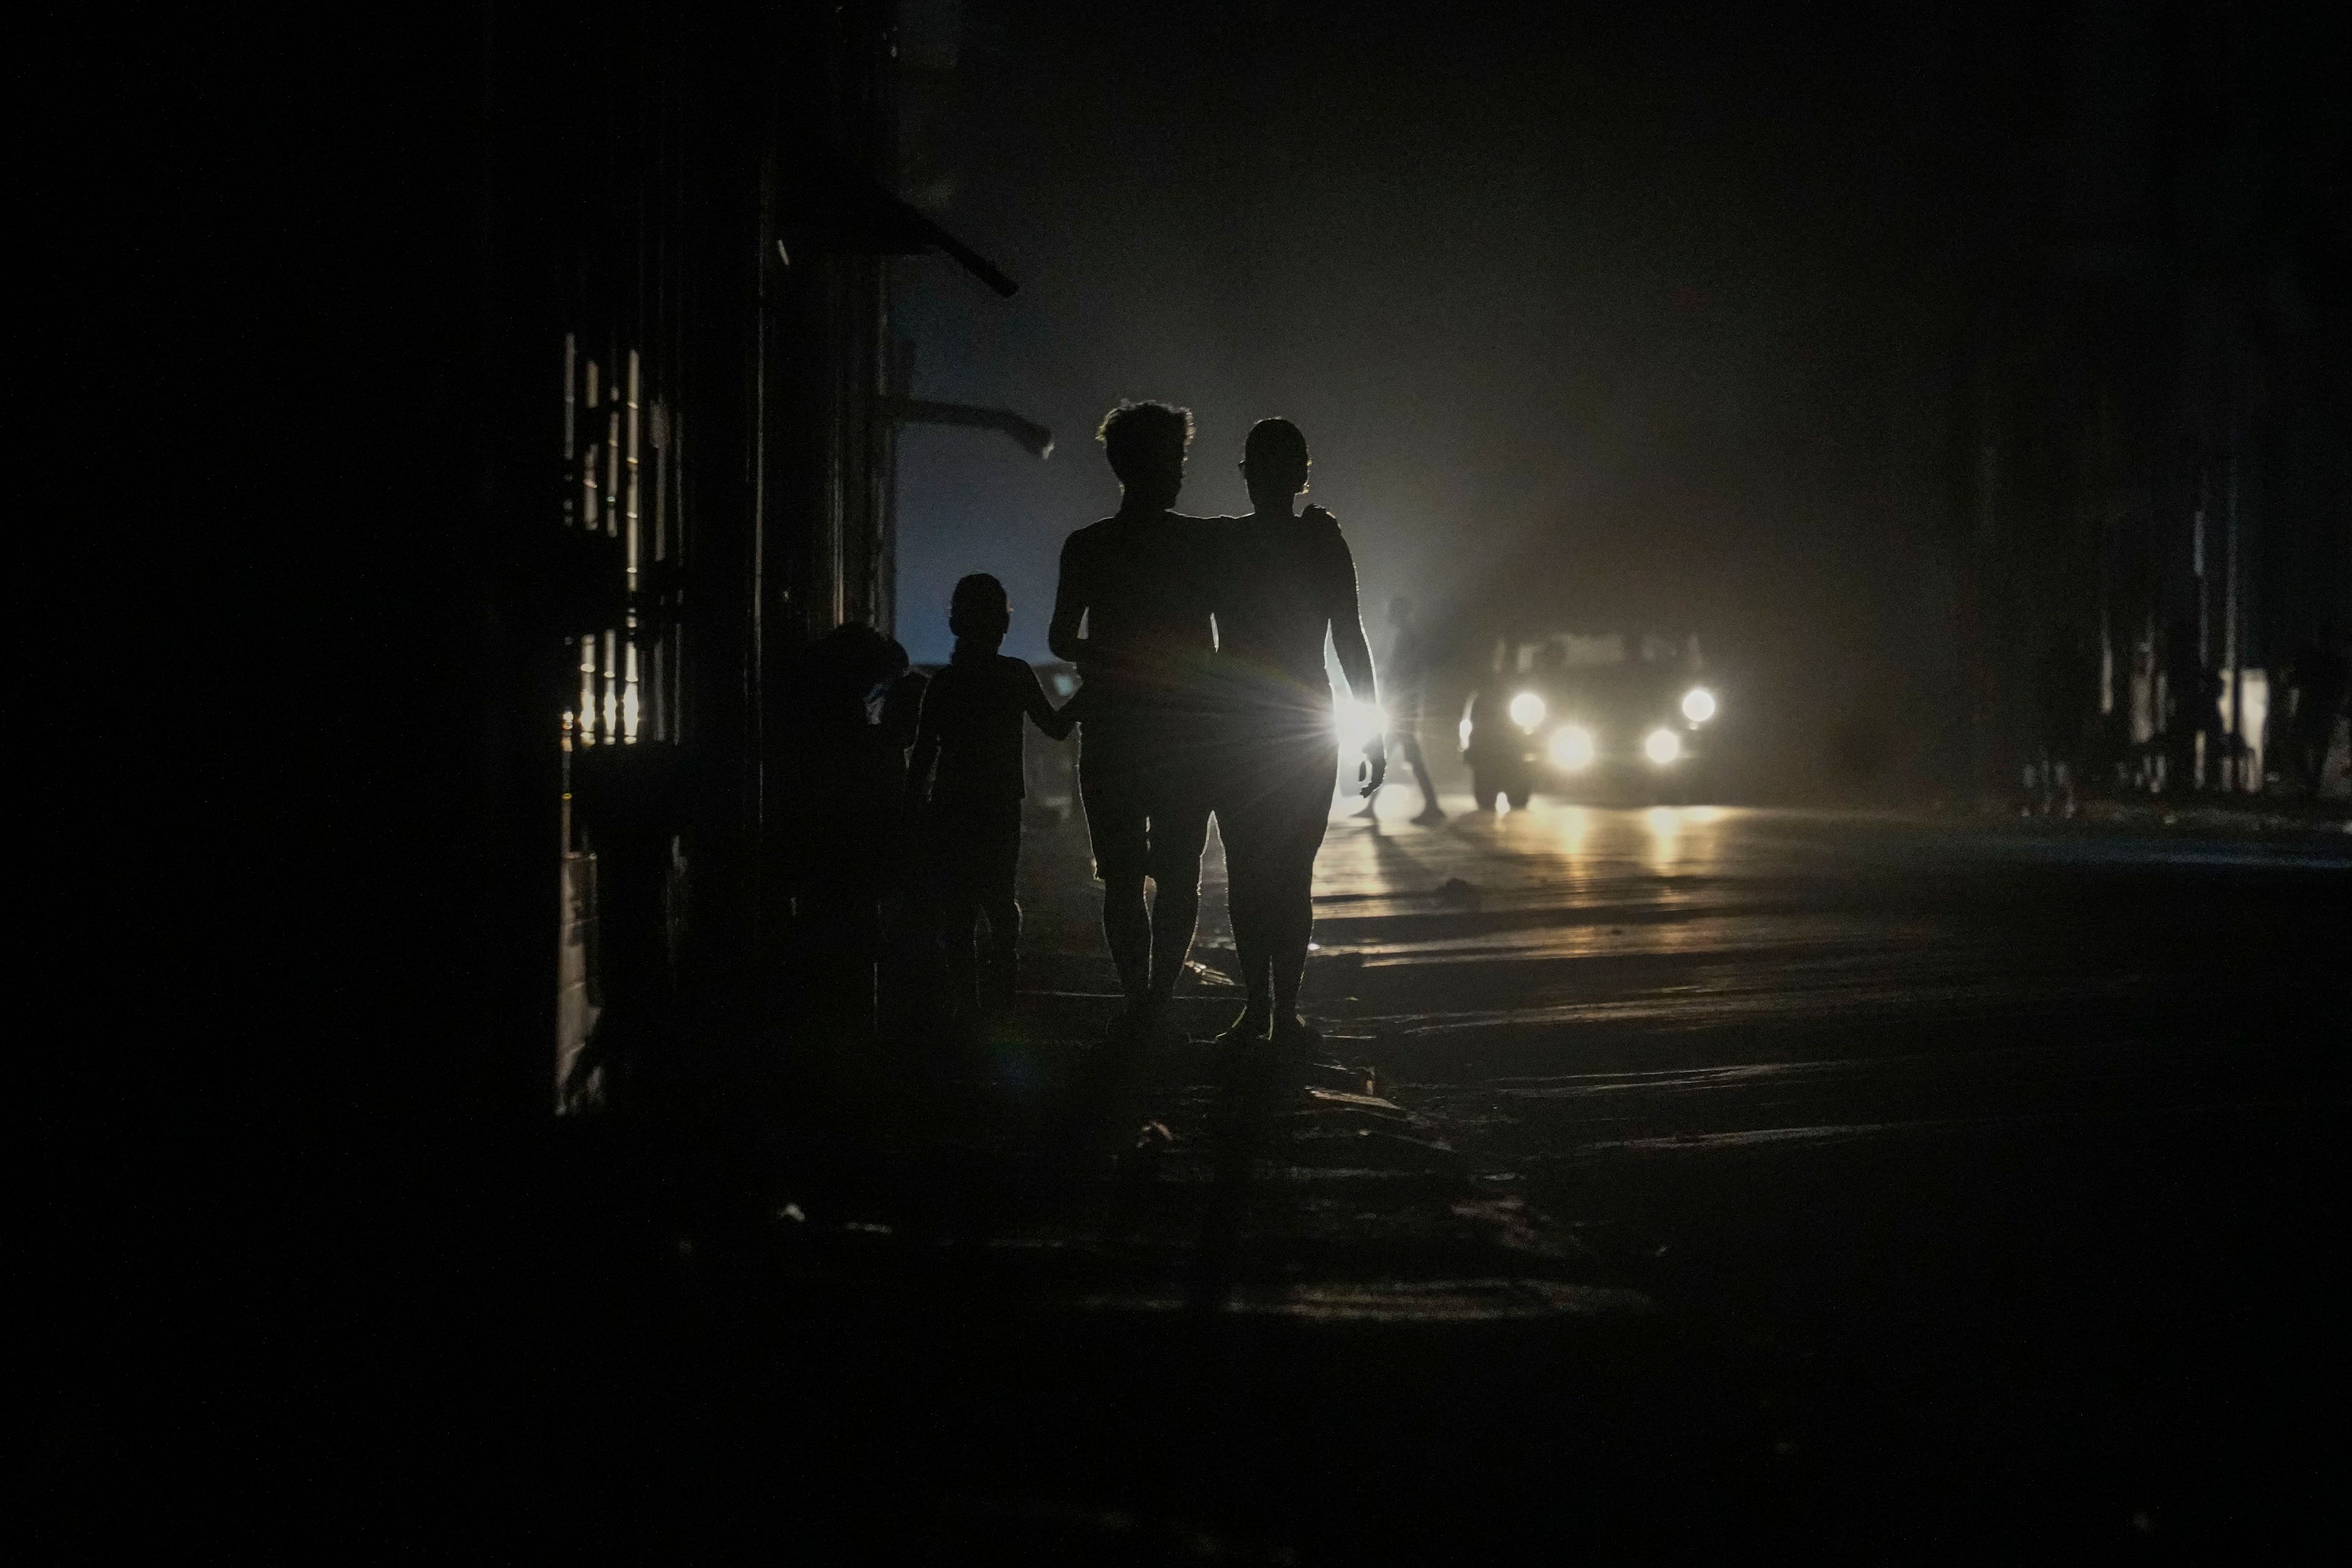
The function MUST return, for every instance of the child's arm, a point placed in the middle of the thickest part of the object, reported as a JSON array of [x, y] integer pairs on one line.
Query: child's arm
[[1040, 708]]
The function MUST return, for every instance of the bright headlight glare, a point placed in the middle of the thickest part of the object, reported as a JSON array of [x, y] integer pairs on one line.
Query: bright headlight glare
[[1527, 709], [1571, 747], [1698, 705], [1358, 722], [1663, 746]]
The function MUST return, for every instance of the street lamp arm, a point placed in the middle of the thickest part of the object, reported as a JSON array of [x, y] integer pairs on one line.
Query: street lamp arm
[[1033, 437]]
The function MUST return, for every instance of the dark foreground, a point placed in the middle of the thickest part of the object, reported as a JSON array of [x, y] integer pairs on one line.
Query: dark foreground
[[1721, 1178]]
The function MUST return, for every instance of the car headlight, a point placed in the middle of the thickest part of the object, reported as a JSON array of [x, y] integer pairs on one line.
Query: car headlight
[[1571, 747], [1698, 705], [1527, 711], [1663, 746]]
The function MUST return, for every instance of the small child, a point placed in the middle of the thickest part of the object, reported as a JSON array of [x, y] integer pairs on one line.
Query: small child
[[970, 733]]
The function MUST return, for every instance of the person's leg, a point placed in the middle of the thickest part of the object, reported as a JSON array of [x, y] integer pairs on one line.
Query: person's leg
[[1410, 748], [955, 910], [958, 966], [1303, 812], [1245, 900], [1180, 832], [1116, 825], [998, 868]]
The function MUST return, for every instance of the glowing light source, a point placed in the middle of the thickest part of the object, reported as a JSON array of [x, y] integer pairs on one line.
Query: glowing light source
[[1698, 705], [1357, 722], [1571, 747], [1663, 746], [1527, 711]]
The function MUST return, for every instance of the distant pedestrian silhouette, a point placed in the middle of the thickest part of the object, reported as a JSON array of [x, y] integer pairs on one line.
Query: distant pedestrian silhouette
[[1132, 585], [964, 789], [2321, 675], [2193, 720], [849, 704], [1285, 582], [2064, 681], [1404, 680]]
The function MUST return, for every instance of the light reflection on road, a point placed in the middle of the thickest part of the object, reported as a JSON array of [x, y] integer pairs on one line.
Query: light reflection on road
[[1575, 823], [1558, 914]]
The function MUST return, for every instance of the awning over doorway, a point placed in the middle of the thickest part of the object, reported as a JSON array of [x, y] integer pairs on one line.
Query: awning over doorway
[[832, 206]]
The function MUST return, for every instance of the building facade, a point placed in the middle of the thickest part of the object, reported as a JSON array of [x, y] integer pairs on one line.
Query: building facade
[[2155, 412]]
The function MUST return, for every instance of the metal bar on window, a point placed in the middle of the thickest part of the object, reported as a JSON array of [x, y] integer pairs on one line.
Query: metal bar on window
[[630, 496]]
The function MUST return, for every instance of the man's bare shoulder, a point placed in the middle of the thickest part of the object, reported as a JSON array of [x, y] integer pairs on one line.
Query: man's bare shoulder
[[1221, 529], [1091, 534]]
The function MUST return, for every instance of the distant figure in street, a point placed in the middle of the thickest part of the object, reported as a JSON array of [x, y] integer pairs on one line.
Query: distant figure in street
[[1403, 683], [2192, 693], [2321, 675], [2062, 708], [964, 789], [1132, 583], [1287, 582]]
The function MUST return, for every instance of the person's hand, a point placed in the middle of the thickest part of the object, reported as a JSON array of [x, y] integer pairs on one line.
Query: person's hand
[[1376, 766]]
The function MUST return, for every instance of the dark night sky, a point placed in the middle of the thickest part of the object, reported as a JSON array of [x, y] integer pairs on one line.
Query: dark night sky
[[1653, 307]]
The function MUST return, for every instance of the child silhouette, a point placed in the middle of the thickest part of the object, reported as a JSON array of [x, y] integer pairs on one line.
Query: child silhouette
[[964, 788]]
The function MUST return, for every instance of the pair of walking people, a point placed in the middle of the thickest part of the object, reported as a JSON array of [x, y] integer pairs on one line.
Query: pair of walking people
[[1201, 642]]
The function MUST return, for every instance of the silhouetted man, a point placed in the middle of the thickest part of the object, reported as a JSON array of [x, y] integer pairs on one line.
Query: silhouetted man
[[1133, 582], [1285, 582], [1403, 682]]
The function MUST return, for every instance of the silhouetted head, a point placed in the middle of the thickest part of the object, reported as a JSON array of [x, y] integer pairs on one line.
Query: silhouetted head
[[1399, 611], [1145, 443], [979, 611], [847, 670], [1273, 464]]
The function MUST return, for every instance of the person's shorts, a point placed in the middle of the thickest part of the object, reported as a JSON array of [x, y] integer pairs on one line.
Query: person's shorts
[[1146, 800], [1273, 802]]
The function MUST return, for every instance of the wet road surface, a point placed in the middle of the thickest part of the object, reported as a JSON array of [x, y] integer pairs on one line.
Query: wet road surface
[[2005, 1158]]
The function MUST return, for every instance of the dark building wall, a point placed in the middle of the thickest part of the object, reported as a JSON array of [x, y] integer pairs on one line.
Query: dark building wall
[[2154, 399], [689, 457]]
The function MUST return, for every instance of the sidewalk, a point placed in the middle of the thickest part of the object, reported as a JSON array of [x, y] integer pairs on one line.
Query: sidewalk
[[2198, 814], [1267, 1316], [1264, 1311], [2222, 813]]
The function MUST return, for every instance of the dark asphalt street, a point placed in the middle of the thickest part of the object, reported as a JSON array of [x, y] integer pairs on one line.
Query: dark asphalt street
[[1721, 1177], [2019, 1153]]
